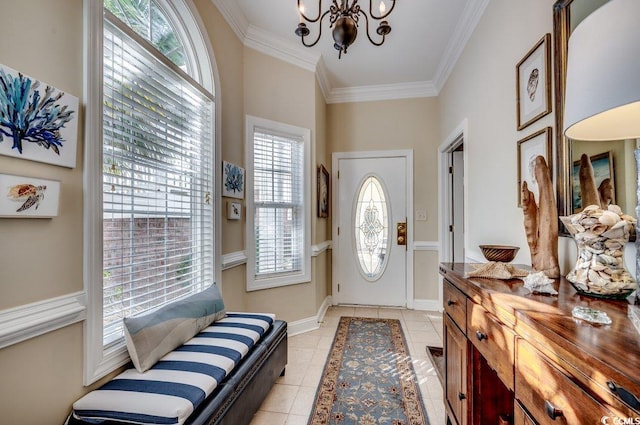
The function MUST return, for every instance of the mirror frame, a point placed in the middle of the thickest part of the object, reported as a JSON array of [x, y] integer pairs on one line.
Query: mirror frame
[[561, 29]]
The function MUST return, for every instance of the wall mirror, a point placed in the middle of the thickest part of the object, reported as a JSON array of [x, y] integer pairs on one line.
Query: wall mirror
[[611, 159]]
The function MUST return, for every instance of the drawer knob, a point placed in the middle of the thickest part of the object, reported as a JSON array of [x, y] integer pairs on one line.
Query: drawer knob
[[461, 396], [481, 335], [552, 411], [450, 302], [625, 395]]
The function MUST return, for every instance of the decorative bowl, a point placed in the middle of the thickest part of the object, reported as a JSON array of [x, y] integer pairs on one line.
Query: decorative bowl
[[502, 253]]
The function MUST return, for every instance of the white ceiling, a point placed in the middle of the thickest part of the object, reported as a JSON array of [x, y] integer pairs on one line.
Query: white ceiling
[[427, 38]]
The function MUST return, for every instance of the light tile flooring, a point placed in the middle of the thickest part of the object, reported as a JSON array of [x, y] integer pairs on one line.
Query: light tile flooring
[[291, 399]]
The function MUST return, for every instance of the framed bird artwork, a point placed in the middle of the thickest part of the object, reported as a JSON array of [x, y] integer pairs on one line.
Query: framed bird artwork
[[28, 197]]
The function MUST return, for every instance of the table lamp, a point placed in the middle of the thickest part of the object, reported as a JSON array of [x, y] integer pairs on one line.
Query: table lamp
[[602, 98]]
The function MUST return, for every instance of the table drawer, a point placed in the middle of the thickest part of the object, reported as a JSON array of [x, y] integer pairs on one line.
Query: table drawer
[[550, 396], [493, 340], [455, 304], [521, 417]]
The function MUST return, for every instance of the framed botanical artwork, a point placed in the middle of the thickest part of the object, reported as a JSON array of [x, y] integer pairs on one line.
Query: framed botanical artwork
[[533, 83], [532, 146], [603, 171], [37, 121], [28, 197], [323, 192], [232, 180]]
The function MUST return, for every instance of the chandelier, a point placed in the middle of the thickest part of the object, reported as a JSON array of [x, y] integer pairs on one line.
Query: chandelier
[[343, 18]]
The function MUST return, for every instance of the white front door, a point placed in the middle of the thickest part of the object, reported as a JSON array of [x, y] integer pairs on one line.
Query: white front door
[[370, 261]]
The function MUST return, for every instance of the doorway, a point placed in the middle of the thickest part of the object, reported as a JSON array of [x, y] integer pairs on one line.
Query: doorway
[[371, 236], [452, 172]]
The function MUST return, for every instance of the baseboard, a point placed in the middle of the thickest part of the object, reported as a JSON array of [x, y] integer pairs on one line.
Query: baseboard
[[310, 323], [427, 305]]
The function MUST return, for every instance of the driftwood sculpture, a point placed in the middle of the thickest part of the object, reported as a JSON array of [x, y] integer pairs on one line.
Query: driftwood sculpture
[[541, 221], [588, 190], [590, 193]]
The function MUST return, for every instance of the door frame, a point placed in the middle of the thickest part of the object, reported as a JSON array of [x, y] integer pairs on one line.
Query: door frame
[[407, 154], [450, 143]]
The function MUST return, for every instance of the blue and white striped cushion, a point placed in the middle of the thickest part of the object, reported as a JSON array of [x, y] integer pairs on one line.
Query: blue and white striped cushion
[[174, 387]]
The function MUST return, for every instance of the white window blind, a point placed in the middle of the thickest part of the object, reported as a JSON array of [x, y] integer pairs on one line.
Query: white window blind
[[157, 181], [278, 188]]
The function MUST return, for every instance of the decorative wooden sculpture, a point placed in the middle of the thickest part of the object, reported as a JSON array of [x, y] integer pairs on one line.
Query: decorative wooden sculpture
[[588, 189], [541, 221]]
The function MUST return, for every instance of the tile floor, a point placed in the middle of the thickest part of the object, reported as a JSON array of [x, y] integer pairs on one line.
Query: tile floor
[[291, 399]]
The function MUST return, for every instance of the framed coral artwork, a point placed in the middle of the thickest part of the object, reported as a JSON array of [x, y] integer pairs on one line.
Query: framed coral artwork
[[37, 121], [232, 180], [23, 197]]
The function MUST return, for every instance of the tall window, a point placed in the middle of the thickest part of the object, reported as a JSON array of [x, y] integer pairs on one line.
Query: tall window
[[278, 204], [157, 168]]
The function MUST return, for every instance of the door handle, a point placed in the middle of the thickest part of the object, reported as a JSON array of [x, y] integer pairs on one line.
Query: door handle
[[402, 233]]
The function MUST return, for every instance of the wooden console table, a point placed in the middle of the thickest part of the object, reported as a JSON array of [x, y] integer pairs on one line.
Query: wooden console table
[[512, 357]]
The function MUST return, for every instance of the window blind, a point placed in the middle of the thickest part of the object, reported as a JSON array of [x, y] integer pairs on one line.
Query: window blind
[[278, 203], [157, 182]]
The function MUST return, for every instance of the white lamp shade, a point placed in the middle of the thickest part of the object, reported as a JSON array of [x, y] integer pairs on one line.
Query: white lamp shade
[[602, 97]]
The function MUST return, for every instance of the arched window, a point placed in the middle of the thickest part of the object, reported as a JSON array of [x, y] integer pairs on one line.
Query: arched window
[[155, 171]]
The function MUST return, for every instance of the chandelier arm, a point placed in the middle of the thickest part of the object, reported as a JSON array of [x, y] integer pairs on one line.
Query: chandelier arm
[[321, 18], [366, 18], [387, 13]]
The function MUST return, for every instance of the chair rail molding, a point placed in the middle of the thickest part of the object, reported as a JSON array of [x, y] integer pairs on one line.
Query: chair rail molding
[[30, 320], [233, 259], [320, 248]]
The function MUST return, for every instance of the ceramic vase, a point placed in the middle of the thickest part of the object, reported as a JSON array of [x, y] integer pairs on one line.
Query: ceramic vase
[[600, 237]]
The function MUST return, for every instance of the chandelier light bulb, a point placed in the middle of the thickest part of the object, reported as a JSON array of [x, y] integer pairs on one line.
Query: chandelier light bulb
[[383, 8]]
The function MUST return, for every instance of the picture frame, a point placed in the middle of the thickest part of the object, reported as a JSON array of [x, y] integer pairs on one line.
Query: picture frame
[[233, 180], [324, 192], [603, 168], [41, 122], [537, 144], [28, 197], [234, 210], [533, 83]]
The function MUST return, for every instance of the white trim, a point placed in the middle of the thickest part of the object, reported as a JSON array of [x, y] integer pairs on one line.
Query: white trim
[[304, 275], [27, 321], [310, 323], [427, 305], [100, 360], [444, 195], [404, 153], [320, 248], [471, 16], [232, 13], [233, 259], [382, 92], [426, 246], [279, 48]]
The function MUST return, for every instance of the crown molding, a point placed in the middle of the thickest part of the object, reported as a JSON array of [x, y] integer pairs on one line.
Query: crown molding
[[234, 16], [322, 75], [279, 48], [471, 16], [382, 92]]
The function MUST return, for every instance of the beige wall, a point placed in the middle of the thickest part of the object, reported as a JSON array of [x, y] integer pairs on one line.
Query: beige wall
[[482, 90], [42, 258], [399, 124]]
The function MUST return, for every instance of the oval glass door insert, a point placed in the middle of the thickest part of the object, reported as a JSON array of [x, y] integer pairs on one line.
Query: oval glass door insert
[[371, 228]]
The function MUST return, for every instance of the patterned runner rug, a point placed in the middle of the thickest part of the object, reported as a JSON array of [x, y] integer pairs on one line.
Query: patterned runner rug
[[368, 377]]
